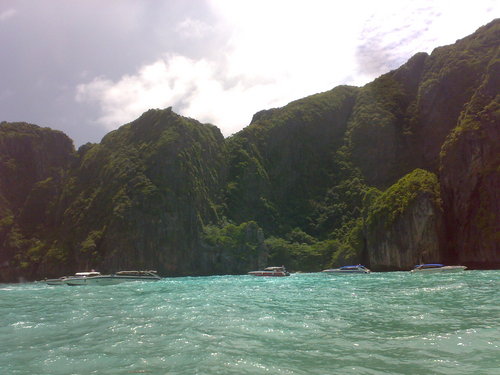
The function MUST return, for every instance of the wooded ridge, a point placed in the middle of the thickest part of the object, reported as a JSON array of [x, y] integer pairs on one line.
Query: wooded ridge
[[401, 171]]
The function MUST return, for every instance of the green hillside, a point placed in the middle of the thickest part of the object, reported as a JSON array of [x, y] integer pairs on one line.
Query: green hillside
[[403, 170]]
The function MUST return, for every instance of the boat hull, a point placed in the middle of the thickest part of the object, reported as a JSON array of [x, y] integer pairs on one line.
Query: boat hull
[[348, 270], [268, 274], [445, 269], [108, 280], [338, 272], [60, 281], [271, 272]]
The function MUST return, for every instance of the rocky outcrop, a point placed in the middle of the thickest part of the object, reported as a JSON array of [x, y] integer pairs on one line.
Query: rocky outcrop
[[404, 224], [412, 239]]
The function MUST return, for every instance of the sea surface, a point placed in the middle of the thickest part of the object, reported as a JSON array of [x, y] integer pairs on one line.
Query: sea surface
[[381, 323]]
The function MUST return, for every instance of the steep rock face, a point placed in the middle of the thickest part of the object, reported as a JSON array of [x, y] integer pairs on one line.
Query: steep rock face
[[412, 239], [404, 224], [29, 154], [169, 193], [140, 198], [401, 119], [470, 177], [451, 76], [285, 158], [380, 128], [33, 163]]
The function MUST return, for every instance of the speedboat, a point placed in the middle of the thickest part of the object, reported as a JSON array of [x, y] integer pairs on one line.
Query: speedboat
[[63, 280], [436, 267], [95, 278], [271, 271], [348, 270], [59, 281]]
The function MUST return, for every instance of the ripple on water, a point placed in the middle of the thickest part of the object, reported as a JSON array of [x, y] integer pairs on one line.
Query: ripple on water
[[304, 324]]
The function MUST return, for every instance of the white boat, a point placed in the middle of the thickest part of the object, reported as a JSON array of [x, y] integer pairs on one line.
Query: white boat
[[436, 267], [59, 281], [62, 280], [95, 278], [271, 271], [348, 270]]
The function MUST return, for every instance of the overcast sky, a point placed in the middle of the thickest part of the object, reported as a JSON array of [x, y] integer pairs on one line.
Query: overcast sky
[[88, 66]]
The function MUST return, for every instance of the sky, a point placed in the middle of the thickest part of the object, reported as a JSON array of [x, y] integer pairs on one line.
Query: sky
[[86, 67]]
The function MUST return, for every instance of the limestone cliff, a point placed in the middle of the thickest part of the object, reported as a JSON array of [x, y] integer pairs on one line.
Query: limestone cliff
[[470, 177], [29, 154], [401, 119], [140, 198], [33, 165], [411, 239], [286, 158], [401, 171], [404, 224]]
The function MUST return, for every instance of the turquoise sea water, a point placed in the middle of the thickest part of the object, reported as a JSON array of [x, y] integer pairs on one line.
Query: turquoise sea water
[[382, 323]]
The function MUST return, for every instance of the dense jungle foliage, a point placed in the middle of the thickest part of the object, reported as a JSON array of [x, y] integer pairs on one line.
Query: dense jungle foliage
[[304, 185]]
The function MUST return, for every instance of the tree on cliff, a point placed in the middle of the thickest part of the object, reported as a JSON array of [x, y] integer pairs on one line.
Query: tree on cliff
[[340, 176]]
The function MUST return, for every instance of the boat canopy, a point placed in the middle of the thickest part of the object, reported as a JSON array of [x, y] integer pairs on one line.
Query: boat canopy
[[136, 273]]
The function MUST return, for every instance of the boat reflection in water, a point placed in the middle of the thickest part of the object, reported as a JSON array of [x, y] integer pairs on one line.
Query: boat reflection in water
[[271, 271]]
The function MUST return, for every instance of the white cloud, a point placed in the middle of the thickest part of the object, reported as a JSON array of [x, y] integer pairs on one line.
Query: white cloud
[[192, 28], [282, 50], [6, 14], [393, 34], [192, 87], [156, 85]]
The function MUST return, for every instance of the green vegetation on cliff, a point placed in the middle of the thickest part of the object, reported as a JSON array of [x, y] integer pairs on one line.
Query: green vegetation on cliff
[[33, 164], [470, 173], [285, 158], [144, 194], [234, 249], [349, 175], [393, 202], [382, 127]]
